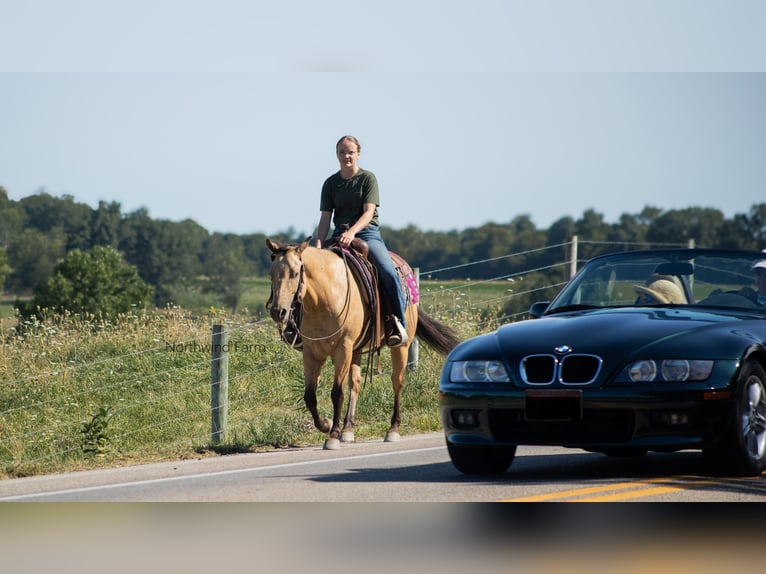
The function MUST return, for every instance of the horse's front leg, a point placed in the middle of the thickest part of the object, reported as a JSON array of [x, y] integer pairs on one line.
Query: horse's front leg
[[311, 371], [342, 363], [354, 377]]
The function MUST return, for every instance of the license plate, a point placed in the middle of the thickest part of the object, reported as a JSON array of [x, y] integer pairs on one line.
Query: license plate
[[553, 405]]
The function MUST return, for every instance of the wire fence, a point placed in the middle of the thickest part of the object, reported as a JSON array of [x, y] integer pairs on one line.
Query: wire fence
[[164, 385]]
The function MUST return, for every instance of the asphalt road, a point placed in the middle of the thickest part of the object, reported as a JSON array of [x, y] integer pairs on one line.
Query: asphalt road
[[415, 469]]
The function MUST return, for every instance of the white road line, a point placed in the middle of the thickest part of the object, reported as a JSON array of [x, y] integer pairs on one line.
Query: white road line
[[20, 497]]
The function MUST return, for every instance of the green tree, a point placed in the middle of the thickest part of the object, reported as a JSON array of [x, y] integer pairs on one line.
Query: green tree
[[12, 218], [630, 229], [561, 231], [491, 241], [749, 228], [105, 224], [33, 255], [225, 266], [648, 215], [592, 230], [426, 250], [526, 240], [96, 282], [257, 253], [166, 253], [137, 243], [680, 225], [5, 268], [47, 213]]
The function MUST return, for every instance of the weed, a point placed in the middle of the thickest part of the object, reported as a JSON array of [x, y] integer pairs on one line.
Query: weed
[[96, 432]]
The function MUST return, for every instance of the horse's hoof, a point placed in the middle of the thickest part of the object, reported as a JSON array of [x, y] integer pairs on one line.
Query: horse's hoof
[[393, 436], [347, 436], [331, 444]]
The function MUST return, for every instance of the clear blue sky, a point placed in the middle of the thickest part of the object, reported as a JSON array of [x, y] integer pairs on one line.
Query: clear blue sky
[[227, 112]]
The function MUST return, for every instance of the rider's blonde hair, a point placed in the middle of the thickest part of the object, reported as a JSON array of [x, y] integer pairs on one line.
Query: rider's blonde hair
[[352, 139]]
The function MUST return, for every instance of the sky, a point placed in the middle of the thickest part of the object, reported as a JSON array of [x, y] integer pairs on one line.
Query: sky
[[227, 112]]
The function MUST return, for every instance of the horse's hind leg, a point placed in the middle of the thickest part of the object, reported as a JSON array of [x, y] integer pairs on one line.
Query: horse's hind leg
[[355, 375], [398, 364], [311, 372]]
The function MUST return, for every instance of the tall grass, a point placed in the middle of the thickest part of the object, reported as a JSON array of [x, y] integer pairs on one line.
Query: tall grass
[[81, 393]]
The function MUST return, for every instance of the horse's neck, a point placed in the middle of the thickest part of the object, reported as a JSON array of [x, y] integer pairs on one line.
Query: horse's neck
[[326, 279]]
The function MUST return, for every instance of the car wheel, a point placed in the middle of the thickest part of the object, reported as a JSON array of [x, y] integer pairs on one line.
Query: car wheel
[[743, 451], [481, 459]]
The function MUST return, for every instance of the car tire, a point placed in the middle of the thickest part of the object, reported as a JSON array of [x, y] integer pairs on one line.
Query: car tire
[[481, 459], [743, 450]]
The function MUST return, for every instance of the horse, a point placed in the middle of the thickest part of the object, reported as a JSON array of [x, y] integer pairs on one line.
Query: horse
[[335, 316]]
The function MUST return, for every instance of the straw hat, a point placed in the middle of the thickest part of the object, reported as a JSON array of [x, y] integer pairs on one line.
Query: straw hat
[[662, 290]]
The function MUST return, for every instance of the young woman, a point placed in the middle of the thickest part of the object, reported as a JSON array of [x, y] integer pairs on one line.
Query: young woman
[[350, 199]]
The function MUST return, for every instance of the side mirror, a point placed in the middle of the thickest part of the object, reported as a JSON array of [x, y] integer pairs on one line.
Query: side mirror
[[537, 309]]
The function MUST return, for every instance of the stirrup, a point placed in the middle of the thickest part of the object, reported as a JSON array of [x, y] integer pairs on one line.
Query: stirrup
[[399, 335]]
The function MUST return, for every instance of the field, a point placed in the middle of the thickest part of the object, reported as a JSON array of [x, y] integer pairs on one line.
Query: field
[[80, 393]]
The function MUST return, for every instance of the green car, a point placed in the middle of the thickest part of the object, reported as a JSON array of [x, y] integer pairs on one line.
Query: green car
[[659, 350]]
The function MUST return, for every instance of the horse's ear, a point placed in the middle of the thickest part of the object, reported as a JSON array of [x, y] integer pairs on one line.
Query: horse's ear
[[304, 244], [274, 246]]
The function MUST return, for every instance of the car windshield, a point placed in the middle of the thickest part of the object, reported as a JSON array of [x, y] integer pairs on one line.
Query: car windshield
[[699, 277]]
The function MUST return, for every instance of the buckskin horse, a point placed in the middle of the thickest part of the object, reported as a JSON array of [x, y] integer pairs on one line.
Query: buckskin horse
[[316, 293]]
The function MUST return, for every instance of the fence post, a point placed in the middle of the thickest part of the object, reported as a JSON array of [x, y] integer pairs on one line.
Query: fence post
[[413, 353], [219, 383], [573, 258]]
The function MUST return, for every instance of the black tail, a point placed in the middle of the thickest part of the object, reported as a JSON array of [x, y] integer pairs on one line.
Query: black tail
[[439, 337]]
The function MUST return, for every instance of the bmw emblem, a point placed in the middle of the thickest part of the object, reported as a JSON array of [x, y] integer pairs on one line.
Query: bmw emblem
[[562, 349]]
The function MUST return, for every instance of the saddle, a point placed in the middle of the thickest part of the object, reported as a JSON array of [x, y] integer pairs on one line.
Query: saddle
[[380, 324]]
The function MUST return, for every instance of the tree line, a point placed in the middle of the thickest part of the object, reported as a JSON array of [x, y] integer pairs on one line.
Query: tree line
[[177, 257]]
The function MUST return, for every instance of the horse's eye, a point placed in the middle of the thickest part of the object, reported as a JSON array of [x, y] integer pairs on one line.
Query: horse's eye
[[273, 256]]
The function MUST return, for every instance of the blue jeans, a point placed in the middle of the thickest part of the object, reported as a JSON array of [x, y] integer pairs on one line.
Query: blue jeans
[[387, 275]]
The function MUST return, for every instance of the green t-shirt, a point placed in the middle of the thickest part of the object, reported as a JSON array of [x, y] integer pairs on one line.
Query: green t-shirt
[[345, 198]]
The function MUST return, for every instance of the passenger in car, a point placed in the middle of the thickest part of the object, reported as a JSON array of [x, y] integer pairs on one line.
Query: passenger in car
[[661, 289], [759, 278]]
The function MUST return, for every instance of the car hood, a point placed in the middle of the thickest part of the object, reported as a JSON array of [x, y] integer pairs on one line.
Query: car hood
[[623, 334]]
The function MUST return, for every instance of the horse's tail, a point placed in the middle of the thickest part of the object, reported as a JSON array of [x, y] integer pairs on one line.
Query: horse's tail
[[436, 335]]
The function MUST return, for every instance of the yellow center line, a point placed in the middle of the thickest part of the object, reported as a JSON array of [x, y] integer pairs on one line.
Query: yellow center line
[[582, 491], [622, 491], [657, 490]]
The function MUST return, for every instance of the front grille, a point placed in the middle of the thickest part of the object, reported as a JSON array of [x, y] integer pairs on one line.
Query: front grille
[[569, 370], [580, 369], [539, 369]]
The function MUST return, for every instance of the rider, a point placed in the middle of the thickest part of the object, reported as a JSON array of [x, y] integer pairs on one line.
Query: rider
[[352, 195]]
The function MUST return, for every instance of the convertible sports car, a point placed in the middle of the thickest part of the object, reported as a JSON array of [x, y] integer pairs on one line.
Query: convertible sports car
[[641, 350]]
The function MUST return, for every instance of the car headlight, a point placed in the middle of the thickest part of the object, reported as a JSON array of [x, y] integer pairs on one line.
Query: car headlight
[[478, 372], [670, 370]]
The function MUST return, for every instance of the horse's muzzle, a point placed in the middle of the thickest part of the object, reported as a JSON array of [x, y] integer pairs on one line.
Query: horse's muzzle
[[278, 314]]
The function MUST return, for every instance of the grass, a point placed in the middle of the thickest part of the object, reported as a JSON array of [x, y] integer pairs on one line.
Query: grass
[[79, 393]]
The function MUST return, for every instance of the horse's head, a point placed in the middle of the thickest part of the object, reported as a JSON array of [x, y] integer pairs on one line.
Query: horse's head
[[286, 279]]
